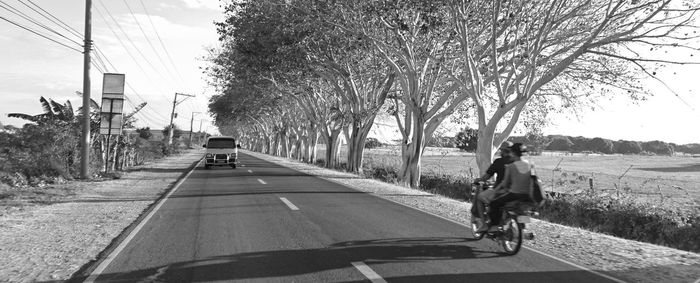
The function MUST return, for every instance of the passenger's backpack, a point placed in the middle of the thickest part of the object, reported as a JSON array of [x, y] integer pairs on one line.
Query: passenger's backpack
[[536, 193]]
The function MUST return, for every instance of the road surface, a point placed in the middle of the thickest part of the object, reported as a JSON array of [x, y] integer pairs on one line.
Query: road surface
[[266, 223]]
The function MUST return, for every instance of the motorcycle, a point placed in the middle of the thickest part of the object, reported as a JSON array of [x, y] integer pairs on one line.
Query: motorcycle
[[511, 229]]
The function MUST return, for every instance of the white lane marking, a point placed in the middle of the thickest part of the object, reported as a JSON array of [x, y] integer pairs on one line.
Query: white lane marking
[[697, 281], [100, 268], [368, 272], [250, 171], [271, 159], [289, 203], [262, 182]]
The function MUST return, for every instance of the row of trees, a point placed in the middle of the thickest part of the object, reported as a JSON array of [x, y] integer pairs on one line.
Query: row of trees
[[291, 72], [466, 140]]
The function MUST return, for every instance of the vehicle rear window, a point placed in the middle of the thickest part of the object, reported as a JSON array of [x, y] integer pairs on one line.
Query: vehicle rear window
[[221, 143]]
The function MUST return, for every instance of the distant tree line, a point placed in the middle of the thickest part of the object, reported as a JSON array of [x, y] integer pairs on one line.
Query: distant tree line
[[467, 138]]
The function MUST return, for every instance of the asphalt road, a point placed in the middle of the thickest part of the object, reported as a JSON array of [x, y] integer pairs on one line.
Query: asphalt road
[[267, 223]]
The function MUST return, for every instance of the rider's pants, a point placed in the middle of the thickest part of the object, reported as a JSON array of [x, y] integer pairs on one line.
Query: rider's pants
[[500, 201]]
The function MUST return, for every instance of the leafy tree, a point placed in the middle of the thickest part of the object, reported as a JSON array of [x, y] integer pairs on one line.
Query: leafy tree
[[466, 139], [628, 147], [144, 133], [602, 145], [658, 147], [560, 143], [564, 52], [176, 131]]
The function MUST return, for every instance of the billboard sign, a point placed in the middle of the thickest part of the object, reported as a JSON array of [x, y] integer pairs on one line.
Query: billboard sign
[[111, 112]]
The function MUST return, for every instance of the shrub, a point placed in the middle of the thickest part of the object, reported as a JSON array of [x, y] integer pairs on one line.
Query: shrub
[[625, 218], [371, 143]]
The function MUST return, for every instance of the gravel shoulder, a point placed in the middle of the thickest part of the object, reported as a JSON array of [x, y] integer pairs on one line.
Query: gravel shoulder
[[51, 242]]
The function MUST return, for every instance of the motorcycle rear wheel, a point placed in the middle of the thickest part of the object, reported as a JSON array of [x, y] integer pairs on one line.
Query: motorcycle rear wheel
[[512, 237]]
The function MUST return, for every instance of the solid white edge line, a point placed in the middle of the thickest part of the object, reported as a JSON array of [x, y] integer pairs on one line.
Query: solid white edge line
[[262, 182], [289, 203], [465, 225], [368, 272], [103, 265]]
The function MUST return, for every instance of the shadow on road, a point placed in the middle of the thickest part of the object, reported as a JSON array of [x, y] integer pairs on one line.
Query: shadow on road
[[281, 263]]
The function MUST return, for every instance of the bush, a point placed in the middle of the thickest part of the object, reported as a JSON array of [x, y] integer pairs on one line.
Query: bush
[[371, 143], [627, 219]]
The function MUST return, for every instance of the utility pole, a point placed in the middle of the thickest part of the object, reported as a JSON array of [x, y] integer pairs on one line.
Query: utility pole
[[199, 133], [172, 115], [191, 123], [85, 138]]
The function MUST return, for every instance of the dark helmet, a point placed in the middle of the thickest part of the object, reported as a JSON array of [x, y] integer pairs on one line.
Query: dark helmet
[[518, 148]]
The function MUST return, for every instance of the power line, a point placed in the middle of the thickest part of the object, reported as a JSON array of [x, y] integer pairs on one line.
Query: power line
[[170, 58], [124, 45], [160, 59], [23, 15], [59, 23], [126, 35], [44, 36]]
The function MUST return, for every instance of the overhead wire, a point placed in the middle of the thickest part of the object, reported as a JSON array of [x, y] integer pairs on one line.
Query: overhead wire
[[126, 35], [49, 16], [23, 15], [39, 34], [160, 59], [155, 30]]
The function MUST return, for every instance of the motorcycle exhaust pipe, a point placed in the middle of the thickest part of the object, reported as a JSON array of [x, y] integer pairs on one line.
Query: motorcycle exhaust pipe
[[527, 235]]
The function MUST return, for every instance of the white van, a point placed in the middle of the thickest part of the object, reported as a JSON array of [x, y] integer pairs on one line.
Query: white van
[[221, 151]]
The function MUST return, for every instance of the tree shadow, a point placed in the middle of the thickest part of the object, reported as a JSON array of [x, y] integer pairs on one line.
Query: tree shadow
[[280, 263]]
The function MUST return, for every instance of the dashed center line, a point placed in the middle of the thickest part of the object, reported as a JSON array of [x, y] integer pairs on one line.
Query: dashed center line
[[250, 171], [262, 182], [368, 272], [289, 203]]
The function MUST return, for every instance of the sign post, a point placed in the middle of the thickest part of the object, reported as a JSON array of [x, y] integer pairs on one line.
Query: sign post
[[111, 113]]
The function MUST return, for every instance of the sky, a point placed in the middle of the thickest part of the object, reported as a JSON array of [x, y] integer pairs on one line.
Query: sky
[[33, 67]]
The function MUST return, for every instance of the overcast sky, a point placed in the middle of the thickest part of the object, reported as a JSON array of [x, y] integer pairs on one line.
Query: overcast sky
[[33, 67]]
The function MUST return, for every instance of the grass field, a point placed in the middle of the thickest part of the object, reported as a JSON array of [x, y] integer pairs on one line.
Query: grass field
[[666, 180]]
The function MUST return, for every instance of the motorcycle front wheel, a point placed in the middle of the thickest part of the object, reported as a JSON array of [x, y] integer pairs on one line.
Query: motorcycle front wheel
[[512, 237]]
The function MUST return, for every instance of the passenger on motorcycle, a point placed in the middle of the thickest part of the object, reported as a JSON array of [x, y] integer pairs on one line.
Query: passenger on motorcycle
[[498, 168], [516, 185]]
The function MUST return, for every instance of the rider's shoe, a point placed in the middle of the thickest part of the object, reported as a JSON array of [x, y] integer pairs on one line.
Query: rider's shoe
[[483, 228]]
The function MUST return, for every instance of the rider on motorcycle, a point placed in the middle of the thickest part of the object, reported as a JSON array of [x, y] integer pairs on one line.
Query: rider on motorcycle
[[498, 168], [517, 184]]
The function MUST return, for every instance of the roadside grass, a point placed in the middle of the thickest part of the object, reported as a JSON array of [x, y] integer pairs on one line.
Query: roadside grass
[[625, 200], [18, 190]]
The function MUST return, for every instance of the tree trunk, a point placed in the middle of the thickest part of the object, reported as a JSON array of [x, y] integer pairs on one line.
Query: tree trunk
[[311, 147], [356, 145], [411, 153], [332, 146]]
